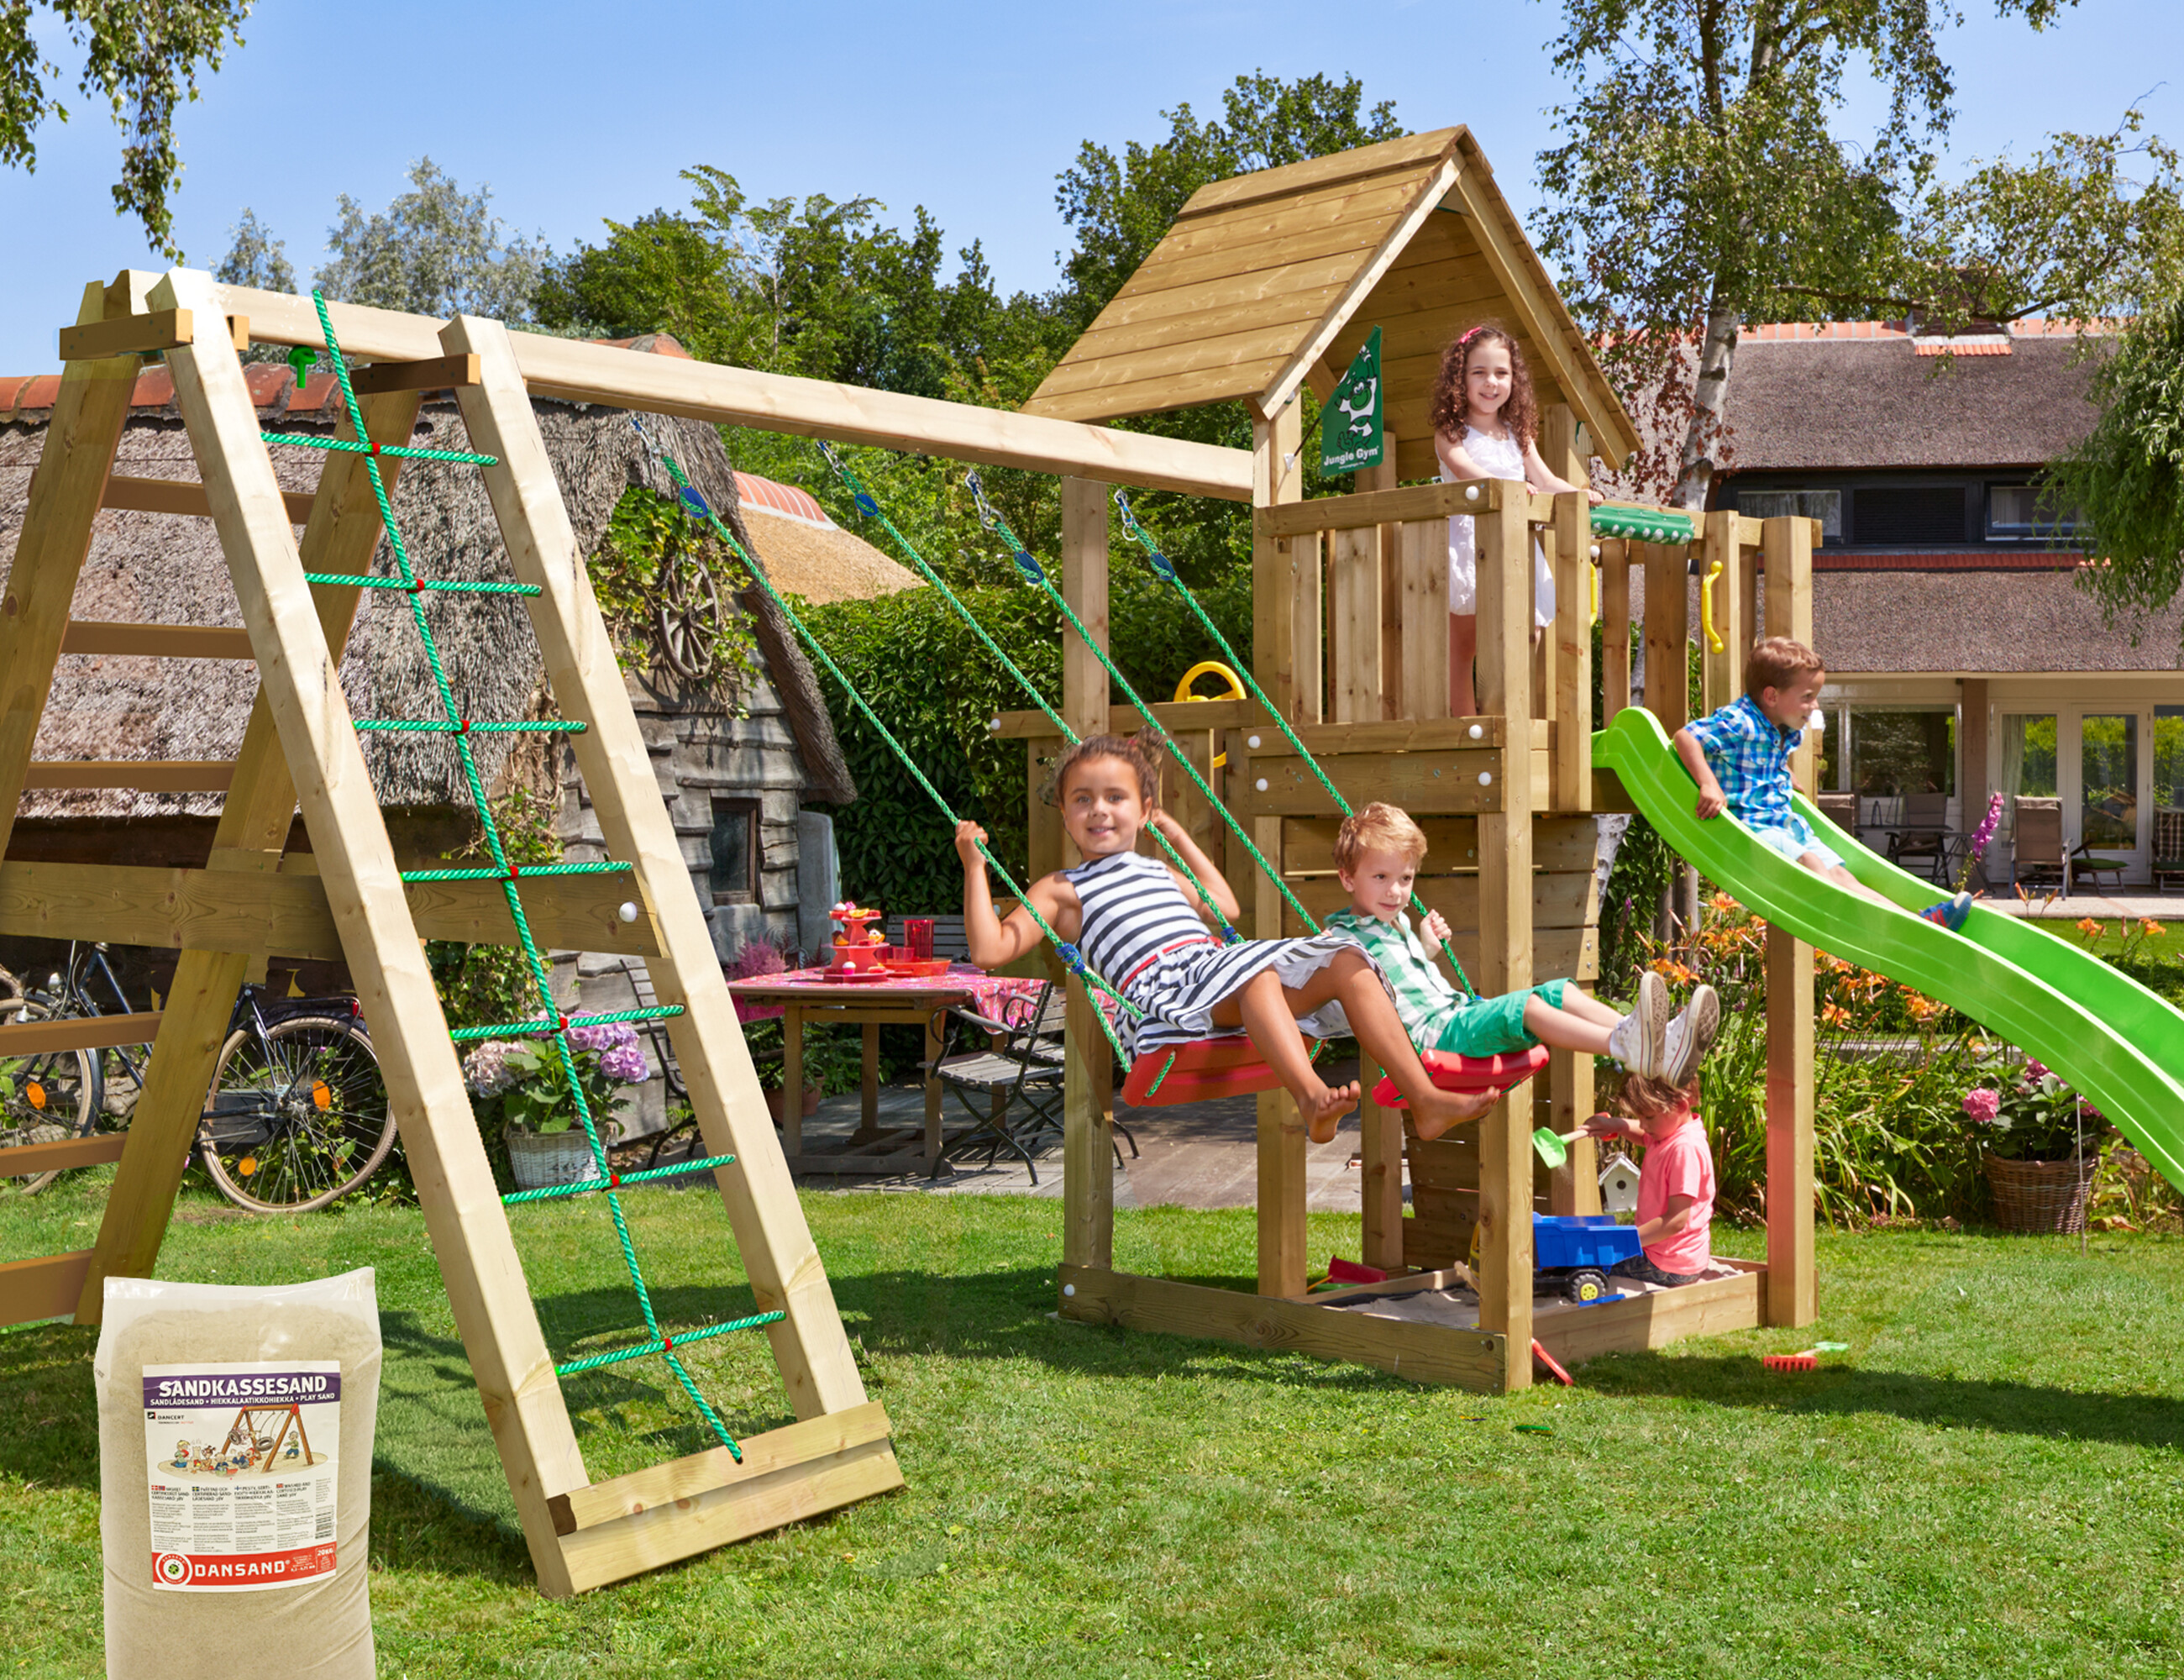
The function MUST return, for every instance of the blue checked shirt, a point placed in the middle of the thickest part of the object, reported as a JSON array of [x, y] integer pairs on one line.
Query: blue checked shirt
[[1749, 755]]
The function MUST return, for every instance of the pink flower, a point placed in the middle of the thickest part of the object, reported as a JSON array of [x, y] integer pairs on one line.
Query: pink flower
[[2035, 1068], [1983, 1105]]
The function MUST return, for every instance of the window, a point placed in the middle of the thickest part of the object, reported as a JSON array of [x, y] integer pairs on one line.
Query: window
[[735, 874], [2108, 759], [1921, 513], [2169, 757], [2028, 760], [1824, 505], [1903, 749], [2017, 513]]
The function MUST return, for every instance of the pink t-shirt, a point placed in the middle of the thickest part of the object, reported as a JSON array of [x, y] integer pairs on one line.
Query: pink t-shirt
[[1679, 1164]]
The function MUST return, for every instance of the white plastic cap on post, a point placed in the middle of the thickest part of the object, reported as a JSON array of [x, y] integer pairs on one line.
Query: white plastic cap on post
[[1471, 492], [628, 911], [1263, 784], [1251, 739], [1485, 778], [1477, 731]]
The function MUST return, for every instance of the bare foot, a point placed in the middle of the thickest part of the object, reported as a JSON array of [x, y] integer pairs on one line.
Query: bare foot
[[1445, 1108], [1323, 1112]]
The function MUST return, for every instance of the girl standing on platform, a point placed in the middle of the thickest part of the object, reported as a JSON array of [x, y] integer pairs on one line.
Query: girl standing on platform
[[1138, 927], [1485, 422]]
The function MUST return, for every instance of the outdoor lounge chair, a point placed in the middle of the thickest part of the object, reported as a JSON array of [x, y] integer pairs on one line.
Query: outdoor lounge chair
[[2037, 854], [2168, 848]]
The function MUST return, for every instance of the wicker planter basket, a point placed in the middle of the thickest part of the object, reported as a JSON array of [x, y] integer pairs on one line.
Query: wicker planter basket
[[542, 1160], [2047, 1196]]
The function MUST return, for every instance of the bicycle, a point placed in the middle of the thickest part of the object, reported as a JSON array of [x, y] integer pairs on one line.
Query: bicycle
[[296, 1116], [45, 1098]]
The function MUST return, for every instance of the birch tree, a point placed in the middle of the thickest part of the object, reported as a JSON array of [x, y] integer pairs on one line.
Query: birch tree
[[1700, 183]]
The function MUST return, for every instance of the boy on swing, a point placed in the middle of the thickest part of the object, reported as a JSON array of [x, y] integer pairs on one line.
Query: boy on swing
[[1377, 854]]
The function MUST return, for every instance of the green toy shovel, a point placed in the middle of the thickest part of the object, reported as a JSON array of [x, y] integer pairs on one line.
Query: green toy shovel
[[1554, 1149]]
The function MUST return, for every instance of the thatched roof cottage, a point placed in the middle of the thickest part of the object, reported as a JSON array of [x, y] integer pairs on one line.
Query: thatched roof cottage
[[737, 759]]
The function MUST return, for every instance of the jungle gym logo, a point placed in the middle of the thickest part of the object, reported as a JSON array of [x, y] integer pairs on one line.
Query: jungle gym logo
[[172, 1569]]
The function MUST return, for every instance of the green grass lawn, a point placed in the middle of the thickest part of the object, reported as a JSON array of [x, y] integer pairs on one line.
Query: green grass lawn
[[1986, 1484]]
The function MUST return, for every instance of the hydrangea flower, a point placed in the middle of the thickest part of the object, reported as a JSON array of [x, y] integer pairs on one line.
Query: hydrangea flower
[[486, 1068], [2035, 1068], [1983, 1105], [626, 1065]]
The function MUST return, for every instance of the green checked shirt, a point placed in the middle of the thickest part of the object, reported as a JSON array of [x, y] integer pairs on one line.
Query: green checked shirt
[[1424, 1002]]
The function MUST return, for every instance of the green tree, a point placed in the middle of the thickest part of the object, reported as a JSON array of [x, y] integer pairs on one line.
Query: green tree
[[255, 258], [144, 57], [1700, 185], [436, 250]]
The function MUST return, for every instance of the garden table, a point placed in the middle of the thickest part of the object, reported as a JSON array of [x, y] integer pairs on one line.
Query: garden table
[[802, 995]]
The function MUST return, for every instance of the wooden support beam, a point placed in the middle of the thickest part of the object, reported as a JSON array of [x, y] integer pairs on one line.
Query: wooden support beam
[[1422, 1353], [1668, 633], [44, 1287], [433, 373], [1614, 631], [156, 641], [1572, 632], [1088, 1094], [1721, 675], [1792, 1284], [148, 775], [182, 495], [1277, 479], [1177, 717], [78, 1032], [1384, 506], [95, 1150], [1505, 921], [249, 914], [773, 1242], [610, 377], [128, 335]]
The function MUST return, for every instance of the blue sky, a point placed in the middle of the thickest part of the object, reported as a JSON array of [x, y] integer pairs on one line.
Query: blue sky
[[574, 113]]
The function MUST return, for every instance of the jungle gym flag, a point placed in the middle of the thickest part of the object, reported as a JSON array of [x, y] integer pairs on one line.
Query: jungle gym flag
[[1349, 432]]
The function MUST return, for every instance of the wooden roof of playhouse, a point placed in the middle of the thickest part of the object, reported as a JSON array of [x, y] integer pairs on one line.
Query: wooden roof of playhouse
[[1271, 281]]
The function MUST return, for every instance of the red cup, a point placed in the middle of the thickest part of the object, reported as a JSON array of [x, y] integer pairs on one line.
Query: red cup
[[918, 932]]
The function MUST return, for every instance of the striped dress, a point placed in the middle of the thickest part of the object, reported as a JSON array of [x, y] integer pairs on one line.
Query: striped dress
[[1140, 933]]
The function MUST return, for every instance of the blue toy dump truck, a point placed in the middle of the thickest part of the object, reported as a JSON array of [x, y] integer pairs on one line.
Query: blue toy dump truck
[[1575, 1251]]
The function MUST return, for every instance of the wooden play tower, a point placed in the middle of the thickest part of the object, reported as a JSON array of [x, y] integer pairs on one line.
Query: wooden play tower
[[1266, 284]]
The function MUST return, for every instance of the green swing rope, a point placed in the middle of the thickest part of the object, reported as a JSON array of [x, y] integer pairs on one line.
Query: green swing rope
[[1073, 958], [868, 505], [1164, 568], [553, 1023], [1033, 572]]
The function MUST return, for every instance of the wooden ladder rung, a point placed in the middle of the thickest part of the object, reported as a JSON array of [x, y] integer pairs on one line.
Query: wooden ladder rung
[[94, 1151], [182, 496], [146, 776], [78, 1033], [156, 641]]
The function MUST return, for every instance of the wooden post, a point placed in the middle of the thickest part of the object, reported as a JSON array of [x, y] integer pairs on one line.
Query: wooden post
[[1277, 477], [1505, 915], [340, 538], [1792, 1294], [1573, 636], [774, 1243], [1614, 629], [1088, 1164], [1668, 633], [1972, 785], [1721, 675]]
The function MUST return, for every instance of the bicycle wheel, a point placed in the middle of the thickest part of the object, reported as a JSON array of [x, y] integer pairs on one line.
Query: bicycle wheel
[[45, 1098], [298, 1119]]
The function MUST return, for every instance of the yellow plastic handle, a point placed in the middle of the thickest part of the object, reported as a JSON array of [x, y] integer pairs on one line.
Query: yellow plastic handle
[[1706, 608], [1236, 689]]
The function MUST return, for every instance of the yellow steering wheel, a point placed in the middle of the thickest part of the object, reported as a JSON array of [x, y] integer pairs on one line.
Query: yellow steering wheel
[[1236, 689]]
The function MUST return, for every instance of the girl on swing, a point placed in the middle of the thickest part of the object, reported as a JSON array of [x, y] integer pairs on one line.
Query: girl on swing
[[1133, 919]]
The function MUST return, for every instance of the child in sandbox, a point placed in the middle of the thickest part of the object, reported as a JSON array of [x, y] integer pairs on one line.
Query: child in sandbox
[[1675, 1180], [1135, 921], [1376, 853]]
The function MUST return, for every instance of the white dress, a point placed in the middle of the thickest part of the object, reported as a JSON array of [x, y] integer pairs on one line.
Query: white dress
[[1499, 457]]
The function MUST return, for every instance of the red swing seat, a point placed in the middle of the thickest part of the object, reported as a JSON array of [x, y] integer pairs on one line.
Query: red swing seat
[[1232, 1066], [1496, 1074]]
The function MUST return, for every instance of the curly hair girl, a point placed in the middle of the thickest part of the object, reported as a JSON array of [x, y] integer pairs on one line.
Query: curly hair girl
[[1519, 415]]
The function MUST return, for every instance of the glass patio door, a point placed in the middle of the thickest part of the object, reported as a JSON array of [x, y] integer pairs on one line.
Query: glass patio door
[[2110, 789]]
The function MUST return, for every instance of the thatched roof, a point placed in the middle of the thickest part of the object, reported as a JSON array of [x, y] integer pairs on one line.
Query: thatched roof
[[2015, 622], [807, 554], [169, 569], [1865, 394]]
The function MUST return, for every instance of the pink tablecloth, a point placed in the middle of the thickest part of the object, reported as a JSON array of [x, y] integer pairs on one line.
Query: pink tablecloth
[[990, 992]]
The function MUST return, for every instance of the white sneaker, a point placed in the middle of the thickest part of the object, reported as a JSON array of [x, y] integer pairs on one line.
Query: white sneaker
[[1639, 1040], [1690, 1035]]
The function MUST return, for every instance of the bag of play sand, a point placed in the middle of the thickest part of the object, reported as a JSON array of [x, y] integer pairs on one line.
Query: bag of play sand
[[235, 1433]]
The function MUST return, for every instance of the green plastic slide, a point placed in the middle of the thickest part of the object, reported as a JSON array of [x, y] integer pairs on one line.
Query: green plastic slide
[[2098, 1029]]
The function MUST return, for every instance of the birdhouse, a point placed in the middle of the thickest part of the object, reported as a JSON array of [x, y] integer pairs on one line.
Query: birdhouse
[[1618, 1185]]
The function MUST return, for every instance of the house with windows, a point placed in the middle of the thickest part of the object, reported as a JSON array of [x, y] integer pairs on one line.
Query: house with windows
[[1963, 656]]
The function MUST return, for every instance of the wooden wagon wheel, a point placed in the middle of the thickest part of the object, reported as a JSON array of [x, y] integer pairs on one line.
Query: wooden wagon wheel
[[689, 617]]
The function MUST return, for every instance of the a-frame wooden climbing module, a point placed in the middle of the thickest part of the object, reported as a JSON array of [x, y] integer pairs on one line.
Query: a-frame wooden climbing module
[[301, 748]]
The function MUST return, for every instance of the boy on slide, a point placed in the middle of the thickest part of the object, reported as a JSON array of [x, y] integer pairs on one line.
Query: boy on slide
[[1376, 853], [1739, 757]]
